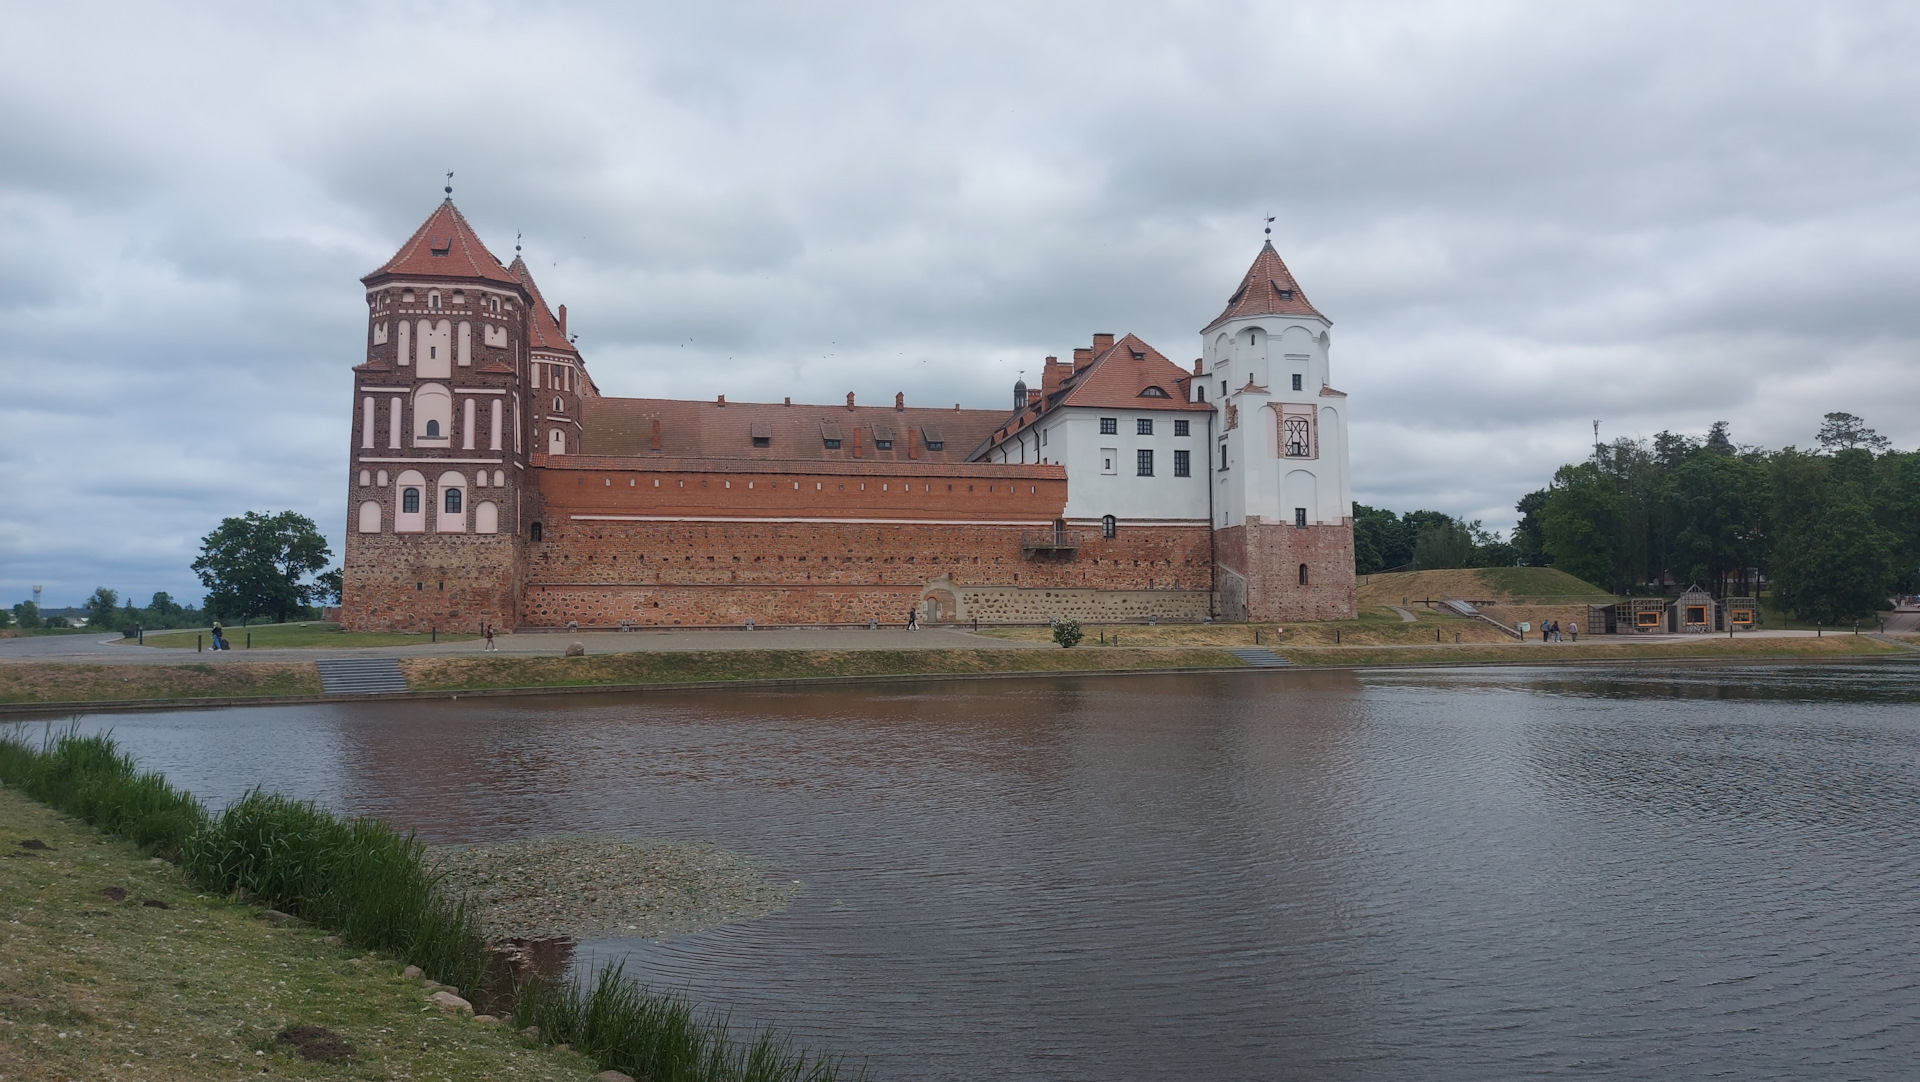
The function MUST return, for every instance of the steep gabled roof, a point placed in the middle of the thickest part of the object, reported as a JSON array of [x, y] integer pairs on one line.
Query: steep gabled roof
[[1268, 289], [445, 246], [543, 329], [1124, 377]]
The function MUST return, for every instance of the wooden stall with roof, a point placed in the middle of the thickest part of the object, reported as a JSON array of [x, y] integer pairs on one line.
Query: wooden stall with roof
[[1640, 616], [1695, 612], [1742, 613]]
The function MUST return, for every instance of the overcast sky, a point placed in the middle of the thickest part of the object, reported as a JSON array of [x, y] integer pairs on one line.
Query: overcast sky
[[1520, 219]]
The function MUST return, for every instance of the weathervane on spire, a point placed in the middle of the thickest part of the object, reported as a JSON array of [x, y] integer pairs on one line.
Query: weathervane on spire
[[1269, 229], [516, 246], [449, 184]]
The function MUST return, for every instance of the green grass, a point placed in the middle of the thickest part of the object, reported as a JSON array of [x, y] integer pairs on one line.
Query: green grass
[[65, 682], [372, 885], [647, 1036], [299, 636]]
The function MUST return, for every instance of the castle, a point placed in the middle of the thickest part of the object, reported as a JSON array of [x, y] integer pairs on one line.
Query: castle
[[492, 482]]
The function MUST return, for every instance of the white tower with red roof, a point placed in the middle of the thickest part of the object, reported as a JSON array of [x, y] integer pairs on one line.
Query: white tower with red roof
[[1283, 493]]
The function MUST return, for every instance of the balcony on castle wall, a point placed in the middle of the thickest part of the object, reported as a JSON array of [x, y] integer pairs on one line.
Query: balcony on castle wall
[[1049, 542]]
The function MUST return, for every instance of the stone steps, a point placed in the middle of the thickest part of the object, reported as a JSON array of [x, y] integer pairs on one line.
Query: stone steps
[[1261, 658], [361, 676]]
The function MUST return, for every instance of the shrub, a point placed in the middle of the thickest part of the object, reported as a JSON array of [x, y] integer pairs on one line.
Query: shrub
[[1067, 633]]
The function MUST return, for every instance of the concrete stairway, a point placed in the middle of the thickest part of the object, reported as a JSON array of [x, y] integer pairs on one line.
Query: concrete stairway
[[1467, 609], [361, 676], [1260, 658]]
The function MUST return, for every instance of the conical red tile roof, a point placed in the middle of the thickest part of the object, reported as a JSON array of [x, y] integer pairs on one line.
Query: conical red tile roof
[[543, 328], [445, 246], [1268, 289]]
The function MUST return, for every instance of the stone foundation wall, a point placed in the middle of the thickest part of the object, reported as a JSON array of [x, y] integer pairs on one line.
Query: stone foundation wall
[[413, 582], [1266, 558], [1011, 606]]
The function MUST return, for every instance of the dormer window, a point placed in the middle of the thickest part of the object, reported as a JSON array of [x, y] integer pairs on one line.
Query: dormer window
[[882, 445], [761, 432], [1154, 392], [832, 444]]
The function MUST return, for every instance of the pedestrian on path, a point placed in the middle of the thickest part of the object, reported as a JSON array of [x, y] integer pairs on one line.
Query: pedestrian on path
[[1573, 631], [913, 619], [489, 635]]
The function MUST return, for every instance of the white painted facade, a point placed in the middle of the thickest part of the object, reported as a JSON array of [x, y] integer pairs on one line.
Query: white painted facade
[[1103, 471], [1251, 368]]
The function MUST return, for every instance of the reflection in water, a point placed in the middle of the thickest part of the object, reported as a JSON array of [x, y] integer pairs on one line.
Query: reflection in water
[[1457, 875]]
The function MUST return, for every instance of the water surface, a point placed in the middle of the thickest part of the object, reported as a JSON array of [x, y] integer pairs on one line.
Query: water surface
[[1632, 872]]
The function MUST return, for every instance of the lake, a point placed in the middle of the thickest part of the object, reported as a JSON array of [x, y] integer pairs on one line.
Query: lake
[[1676, 872]]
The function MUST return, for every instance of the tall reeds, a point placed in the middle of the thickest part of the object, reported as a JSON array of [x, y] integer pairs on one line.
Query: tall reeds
[[372, 885], [627, 1028]]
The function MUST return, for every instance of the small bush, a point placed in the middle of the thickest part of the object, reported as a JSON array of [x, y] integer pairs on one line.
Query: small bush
[[1068, 634]]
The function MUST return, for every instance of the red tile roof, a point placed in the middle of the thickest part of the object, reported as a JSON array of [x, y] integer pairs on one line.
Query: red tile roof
[[1268, 289], [445, 246], [1121, 376], [543, 329], [708, 430]]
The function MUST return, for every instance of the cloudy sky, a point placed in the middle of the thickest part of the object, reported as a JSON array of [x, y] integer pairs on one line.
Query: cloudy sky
[[1519, 217]]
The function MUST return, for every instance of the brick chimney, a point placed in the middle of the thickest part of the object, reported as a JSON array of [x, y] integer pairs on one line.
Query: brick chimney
[[563, 321], [1082, 357], [899, 401], [721, 401], [1102, 343], [1052, 375], [788, 402], [856, 438], [1197, 363], [850, 405], [653, 442]]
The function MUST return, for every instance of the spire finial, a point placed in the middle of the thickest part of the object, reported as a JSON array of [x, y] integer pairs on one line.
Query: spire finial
[[449, 188], [1269, 229], [516, 246]]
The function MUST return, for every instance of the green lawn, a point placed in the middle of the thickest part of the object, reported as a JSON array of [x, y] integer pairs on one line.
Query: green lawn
[[313, 633]]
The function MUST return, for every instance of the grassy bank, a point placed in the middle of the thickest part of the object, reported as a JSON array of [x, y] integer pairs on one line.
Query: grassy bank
[[310, 635], [371, 886], [511, 671], [1702, 647], [60, 682], [1378, 627]]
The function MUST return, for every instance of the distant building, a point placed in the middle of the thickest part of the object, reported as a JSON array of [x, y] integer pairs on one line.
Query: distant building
[[491, 481]]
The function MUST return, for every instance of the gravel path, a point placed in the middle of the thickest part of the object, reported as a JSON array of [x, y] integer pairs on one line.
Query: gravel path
[[593, 887]]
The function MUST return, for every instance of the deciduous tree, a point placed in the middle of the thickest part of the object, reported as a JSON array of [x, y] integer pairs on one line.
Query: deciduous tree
[[256, 565]]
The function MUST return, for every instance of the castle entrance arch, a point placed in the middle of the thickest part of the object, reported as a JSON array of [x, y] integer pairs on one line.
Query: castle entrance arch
[[939, 606]]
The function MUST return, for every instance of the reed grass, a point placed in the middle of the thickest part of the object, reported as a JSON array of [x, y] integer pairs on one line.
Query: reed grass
[[659, 1038], [373, 885]]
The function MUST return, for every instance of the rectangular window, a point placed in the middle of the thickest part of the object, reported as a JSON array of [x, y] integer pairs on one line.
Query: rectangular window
[[1143, 426], [1182, 465], [1143, 463], [1299, 516], [833, 445], [1296, 381], [1108, 458], [1182, 427], [1109, 426], [1223, 456], [1295, 438], [883, 445]]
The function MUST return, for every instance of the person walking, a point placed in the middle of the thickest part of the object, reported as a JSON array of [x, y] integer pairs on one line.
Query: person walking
[[913, 618], [1573, 631], [1546, 631], [489, 636]]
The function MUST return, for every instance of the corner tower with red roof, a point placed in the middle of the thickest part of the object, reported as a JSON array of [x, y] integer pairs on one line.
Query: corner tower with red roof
[[437, 487], [1283, 494]]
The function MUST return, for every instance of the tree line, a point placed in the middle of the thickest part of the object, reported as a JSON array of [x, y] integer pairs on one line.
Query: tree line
[[1832, 531], [255, 566]]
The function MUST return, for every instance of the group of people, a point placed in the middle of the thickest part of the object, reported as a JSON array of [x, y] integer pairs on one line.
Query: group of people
[[1550, 631]]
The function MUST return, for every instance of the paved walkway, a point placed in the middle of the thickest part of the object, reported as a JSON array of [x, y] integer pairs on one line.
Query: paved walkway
[[113, 650]]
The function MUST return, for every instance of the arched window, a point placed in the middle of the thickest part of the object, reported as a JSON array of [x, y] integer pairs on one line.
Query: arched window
[[432, 412], [556, 442], [453, 501], [370, 517], [533, 532], [1303, 574], [412, 516], [499, 478], [1109, 526], [486, 517]]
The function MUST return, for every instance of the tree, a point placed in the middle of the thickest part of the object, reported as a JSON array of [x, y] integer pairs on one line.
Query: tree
[[27, 615], [1446, 543], [327, 586], [1529, 545], [1843, 430], [1582, 524], [100, 608], [254, 565], [1834, 566], [1376, 535], [1067, 633]]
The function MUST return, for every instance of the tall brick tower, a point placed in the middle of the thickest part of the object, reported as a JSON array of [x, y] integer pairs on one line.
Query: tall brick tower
[[438, 486], [1283, 496]]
